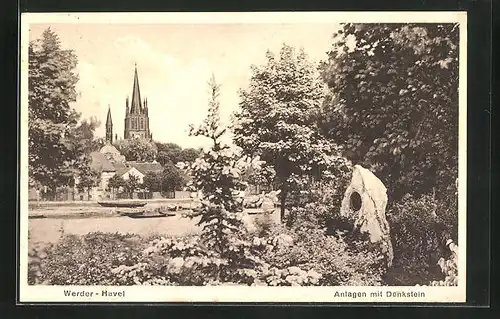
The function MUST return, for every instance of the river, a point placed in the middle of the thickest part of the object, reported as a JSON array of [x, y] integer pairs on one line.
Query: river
[[50, 229]]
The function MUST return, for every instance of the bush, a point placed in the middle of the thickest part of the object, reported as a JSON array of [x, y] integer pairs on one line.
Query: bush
[[85, 260], [418, 237], [337, 261], [280, 257], [449, 267]]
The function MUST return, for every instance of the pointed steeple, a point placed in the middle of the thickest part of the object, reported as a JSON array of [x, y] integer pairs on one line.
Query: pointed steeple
[[135, 105], [109, 127], [109, 121]]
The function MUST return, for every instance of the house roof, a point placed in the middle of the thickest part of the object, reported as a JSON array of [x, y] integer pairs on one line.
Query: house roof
[[101, 163], [145, 168], [121, 168]]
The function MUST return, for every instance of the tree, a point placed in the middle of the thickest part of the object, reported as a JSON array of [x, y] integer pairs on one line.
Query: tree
[[277, 121], [152, 182], [137, 149], [394, 102], [216, 173], [115, 182], [88, 178], [82, 142], [83, 136], [51, 119], [131, 184], [188, 155], [172, 178], [168, 153]]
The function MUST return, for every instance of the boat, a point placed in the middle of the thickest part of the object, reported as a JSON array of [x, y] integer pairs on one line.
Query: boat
[[259, 211], [155, 215], [131, 212], [36, 216], [121, 203]]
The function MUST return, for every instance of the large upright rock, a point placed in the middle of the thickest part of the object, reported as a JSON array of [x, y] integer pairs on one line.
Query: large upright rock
[[364, 202]]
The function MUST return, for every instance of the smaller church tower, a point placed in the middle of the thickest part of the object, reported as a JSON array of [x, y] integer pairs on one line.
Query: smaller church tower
[[109, 127]]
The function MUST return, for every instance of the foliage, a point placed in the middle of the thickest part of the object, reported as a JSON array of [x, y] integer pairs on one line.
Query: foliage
[[172, 178], [216, 173], [152, 181], [115, 182], [189, 155], [131, 184], [394, 102], [418, 237], [337, 261], [168, 153], [51, 120], [83, 136], [137, 149], [449, 267], [178, 261], [281, 257], [37, 254], [88, 178], [173, 153], [277, 121], [85, 260]]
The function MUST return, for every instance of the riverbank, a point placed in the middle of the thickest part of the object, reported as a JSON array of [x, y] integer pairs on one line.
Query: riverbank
[[52, 204]]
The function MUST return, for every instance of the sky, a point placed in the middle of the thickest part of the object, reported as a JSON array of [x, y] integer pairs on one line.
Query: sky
[[174, 63]]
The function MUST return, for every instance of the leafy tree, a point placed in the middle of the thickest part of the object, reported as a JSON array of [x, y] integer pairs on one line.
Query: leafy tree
[[277, 121], [152, 182], [51, 90], [88, 178], [83, 136], [137, 149], [172, 178], [131, 184], [188, 155], [168, 147], [168, 153], [394, 102], [82, 142], [115, 182], [163, 158]]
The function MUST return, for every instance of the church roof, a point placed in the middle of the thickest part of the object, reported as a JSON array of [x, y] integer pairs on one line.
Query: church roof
[[135, 107], [101, 163]]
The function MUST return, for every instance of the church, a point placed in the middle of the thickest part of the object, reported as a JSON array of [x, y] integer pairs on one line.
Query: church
[[136, 116], [108, 159]]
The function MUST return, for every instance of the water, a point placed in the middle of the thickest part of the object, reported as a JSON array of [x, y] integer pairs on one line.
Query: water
[[50, 229]]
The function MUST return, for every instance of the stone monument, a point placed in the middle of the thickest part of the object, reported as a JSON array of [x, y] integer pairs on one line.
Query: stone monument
[[364, 202]]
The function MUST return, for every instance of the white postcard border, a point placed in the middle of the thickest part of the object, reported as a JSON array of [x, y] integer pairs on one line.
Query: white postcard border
[[48, 294]]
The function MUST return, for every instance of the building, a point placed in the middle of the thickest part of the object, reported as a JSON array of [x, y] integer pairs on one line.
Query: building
[[109, 162], [136, 116]]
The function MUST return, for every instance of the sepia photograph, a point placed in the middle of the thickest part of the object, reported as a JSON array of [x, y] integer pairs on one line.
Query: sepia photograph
[[243, 157]]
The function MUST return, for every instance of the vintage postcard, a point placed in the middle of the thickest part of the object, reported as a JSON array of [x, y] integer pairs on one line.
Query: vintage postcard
[[243, 157]]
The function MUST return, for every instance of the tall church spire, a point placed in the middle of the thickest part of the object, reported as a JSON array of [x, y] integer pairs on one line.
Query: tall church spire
[[135, 105], [109, 127]]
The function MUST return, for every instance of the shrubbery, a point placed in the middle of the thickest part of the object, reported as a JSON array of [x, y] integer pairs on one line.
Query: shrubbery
[[83, 260], [418, 236]]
